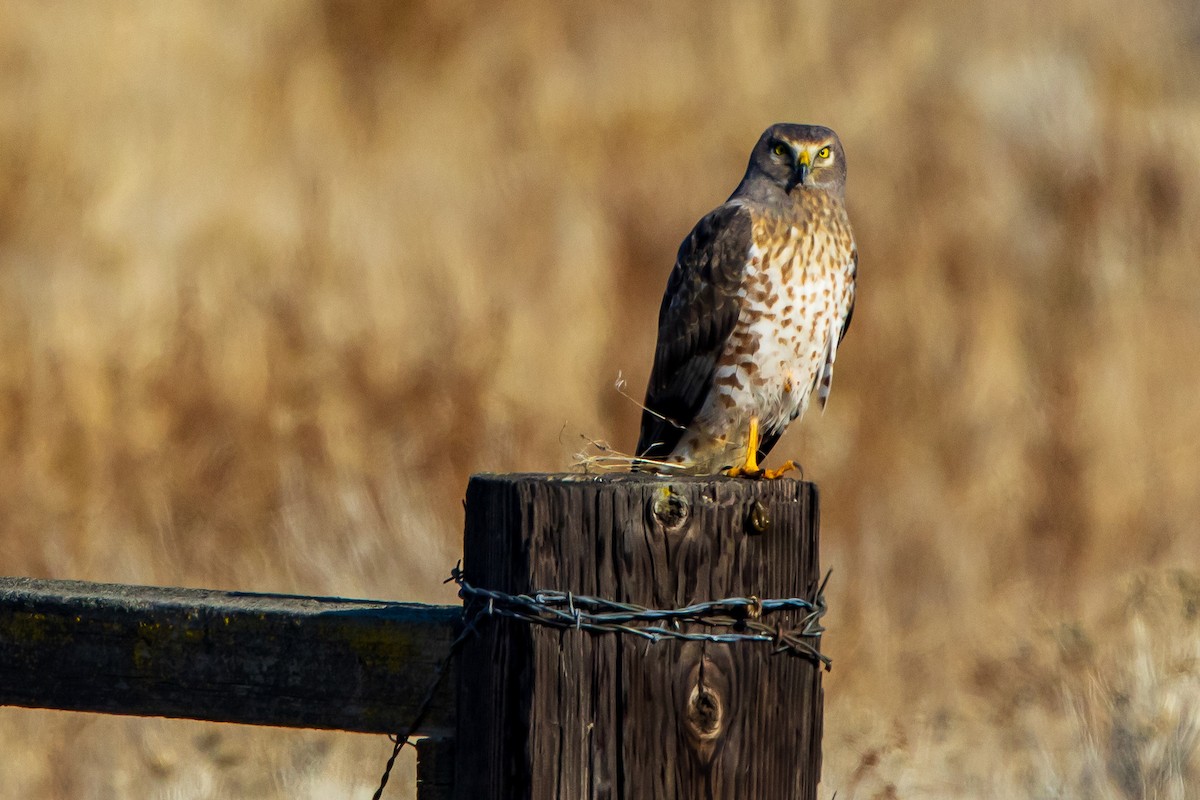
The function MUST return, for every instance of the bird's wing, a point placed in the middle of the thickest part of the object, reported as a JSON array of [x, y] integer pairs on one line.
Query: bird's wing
[[840, 326], [853, 292], [699, 310]]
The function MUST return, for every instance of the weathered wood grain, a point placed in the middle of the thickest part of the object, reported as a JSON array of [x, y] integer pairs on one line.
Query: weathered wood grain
[[311, 662], [435, 769], [567, 715]]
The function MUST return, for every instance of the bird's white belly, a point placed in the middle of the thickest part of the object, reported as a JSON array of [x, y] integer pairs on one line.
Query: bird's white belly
[[779, 347], [774, 358]]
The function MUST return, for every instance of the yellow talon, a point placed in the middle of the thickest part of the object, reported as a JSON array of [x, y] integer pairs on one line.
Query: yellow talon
[[772, 474], [751, 469]]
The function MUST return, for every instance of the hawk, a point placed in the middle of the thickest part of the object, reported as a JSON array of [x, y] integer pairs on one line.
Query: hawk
[[760, 297]]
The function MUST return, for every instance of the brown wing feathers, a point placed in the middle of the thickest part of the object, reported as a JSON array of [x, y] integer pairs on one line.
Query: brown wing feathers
[[699, 311]]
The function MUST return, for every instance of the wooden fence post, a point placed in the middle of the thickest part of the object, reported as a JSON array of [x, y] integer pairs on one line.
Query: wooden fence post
[[549, 714], [435, 769]]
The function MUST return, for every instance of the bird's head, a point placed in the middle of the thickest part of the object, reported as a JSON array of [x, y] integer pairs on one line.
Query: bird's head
[[800, 157]]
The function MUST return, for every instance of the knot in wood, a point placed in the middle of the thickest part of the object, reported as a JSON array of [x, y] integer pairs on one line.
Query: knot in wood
[[705, 713], [670, 509], [759, 519]]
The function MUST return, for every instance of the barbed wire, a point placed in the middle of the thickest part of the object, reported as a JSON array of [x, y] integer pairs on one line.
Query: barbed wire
[[744, 617]]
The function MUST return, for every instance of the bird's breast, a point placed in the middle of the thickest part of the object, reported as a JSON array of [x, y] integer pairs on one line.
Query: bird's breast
[[793, 292]]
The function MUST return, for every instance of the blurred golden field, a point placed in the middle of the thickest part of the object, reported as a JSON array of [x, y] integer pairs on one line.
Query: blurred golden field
[[276, 277]]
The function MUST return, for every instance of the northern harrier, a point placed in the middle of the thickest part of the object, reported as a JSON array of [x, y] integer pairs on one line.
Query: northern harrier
[[760, 297]]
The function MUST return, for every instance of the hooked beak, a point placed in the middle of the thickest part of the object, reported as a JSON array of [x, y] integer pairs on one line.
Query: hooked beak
[[800, 174]]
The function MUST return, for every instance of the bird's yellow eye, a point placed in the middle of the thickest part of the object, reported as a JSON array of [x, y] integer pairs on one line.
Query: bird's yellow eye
[[824, 152], [781, 149]]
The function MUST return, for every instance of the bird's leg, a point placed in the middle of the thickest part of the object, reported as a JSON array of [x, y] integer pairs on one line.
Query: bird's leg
[[750, 469]]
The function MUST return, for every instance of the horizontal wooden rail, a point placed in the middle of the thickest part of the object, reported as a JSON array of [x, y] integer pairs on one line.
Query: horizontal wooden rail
[[262, 659]]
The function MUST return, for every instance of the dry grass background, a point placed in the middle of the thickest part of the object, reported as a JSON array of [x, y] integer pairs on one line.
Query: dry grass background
[[276, 277]]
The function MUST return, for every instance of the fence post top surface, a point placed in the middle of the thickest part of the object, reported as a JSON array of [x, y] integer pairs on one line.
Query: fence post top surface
[[635, 478]]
